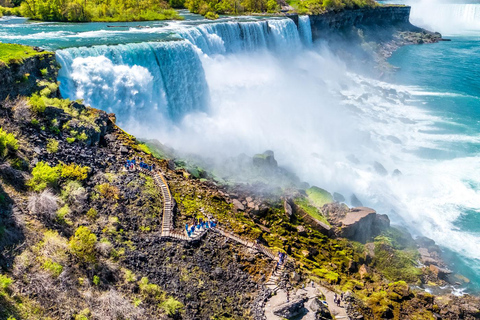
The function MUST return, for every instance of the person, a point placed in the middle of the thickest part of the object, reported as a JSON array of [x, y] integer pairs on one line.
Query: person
[[186, 226], [341, 296], [335, 298], [288, 296], [338, 302], [312, 283]]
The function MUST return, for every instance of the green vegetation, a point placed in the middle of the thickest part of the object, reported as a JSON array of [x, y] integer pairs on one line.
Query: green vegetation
[[396, 256], [305, 205], [54, 268], [52, 146], [322, 6], [319, 197], [171, 306], [103, 10], [83, 244], [211, 8], [8, 143], [44, 176], [10, 53]]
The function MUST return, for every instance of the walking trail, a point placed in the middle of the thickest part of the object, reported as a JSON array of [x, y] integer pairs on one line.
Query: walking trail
[[276, 300]]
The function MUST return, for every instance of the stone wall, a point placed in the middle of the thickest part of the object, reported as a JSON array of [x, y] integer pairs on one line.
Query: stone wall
[[20, 78]]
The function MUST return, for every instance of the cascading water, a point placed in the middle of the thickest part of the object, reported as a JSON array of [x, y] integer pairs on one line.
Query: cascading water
[[233, 87], [444, 17], [305, 30], [157, 79], [165, 80]]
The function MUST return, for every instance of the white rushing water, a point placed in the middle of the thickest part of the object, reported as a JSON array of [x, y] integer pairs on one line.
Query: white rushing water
[[247, 87], [444, 17]]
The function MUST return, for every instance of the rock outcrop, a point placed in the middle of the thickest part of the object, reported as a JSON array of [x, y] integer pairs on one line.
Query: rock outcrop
[[22, 77], [290, 309], [359, 224]]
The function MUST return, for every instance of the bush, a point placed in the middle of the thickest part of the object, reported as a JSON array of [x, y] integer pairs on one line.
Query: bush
[[44, 176], [70, 140], [82, 244], [54, 268], [5, 283], [96, 280], [74, 171], [52, 146], [92, 213], [44, 204], [171, 306], [8, 143], [108, 191], [62, 213]]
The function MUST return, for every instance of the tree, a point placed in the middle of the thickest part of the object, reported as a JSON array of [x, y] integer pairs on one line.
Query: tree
[[82, 244]]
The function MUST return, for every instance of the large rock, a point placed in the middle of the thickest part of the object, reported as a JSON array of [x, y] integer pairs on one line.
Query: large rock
[[265, 160], [290, 309], [238, 205], [362, 224]]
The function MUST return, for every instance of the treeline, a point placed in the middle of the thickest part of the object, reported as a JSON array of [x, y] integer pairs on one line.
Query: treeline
[[211, 8], [322, 6], [96, 10]]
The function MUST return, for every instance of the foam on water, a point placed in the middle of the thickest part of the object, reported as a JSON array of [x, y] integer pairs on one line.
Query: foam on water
[[233, 87]]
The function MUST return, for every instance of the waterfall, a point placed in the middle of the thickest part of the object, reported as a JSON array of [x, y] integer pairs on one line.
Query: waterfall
[[447, 18], [165, 77], [305, 30], [166, 80]]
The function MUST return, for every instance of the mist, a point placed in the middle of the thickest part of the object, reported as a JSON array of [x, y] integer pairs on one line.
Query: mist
[[268, 91]]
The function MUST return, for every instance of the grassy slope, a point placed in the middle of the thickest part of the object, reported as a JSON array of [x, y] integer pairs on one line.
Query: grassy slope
[[15, 52]]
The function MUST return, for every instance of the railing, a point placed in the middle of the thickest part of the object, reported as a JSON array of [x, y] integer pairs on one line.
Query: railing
[[167, 220]]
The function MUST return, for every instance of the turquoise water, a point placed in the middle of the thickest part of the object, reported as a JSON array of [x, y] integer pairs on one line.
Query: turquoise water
[[446, 76], [247, 85]]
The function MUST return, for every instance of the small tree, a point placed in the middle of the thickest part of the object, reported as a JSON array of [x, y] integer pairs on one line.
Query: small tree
[[82, 244]]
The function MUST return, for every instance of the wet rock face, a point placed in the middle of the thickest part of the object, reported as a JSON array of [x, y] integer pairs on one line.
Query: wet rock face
[[209, 277]]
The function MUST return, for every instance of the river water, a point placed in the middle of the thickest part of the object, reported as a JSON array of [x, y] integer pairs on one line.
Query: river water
[[246, 85]]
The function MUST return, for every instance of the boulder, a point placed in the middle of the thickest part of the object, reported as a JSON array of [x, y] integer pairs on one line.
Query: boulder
[[238, 205], [301, 230], [290, 309], [265, 160], [288, 208], [320, 309], [362, 224]]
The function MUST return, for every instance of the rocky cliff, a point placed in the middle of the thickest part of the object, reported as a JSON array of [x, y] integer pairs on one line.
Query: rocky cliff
[[22, 77], [380, 16]]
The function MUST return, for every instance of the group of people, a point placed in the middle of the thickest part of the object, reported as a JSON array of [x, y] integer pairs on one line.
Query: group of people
[[199, 224], [282, 256], [337, 299], [130, 165]]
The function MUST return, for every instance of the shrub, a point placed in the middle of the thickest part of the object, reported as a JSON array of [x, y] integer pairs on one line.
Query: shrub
[[8, 143], [108, 191], [62, 213], [82, 136], [5, 283], [150, 289], [44, 72], [129, 276], [74, 171], [82, 244], [52, 146], [96, 280], [44, 176], [54, 247], [54, 268], [44, 204], [70, 140], [171, 306], [92, 213]]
